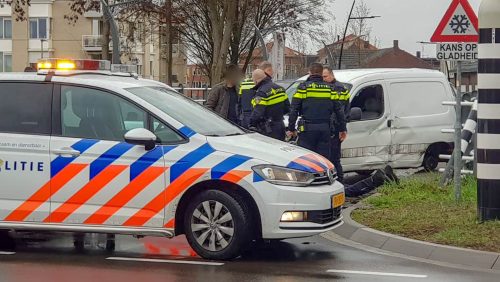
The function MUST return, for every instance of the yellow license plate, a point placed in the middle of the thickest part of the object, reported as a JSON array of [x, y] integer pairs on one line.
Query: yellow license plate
[[338, 200]]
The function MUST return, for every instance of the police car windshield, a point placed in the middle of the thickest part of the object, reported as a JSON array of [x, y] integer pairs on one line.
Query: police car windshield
[[186, 111]]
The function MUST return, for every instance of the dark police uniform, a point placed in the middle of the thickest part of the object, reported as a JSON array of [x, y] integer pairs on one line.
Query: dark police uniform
[[316, 101], [270, 105], [343, 96], [246, 94]]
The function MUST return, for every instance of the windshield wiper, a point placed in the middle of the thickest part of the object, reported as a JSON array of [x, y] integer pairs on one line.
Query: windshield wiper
[[235, 134]]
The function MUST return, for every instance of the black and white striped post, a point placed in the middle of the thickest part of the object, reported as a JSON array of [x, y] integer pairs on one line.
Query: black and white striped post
[[488, 138]]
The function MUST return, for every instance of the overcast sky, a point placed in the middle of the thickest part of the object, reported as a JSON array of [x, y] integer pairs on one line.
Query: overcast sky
[[408, 21]]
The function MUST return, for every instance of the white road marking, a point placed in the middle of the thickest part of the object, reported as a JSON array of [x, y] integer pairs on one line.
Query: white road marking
[[167, 261], [376, 273], [7, 253]]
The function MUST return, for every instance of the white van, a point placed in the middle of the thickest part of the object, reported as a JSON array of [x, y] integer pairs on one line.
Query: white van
[[396, 118]]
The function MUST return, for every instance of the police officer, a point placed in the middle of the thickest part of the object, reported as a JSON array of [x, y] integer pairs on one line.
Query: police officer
[[246, 94], [270, 105], [315, 101], [343, 96]]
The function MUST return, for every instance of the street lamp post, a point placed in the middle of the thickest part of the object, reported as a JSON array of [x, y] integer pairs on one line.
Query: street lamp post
[[262, 42], [115, 36], [347, 26]]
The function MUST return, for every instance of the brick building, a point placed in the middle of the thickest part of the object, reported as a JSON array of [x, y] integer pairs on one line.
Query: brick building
[[394, 58], [354, 53]]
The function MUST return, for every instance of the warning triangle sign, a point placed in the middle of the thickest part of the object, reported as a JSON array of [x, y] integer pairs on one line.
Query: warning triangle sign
[[459, 24]]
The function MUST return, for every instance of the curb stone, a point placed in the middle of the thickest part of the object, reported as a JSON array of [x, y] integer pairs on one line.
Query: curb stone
[[359, 233]]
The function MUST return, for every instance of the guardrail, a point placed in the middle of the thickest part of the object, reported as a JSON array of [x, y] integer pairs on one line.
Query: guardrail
[[467, 143]]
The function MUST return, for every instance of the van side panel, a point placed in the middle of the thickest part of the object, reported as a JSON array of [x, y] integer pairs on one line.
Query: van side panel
[[417, 118]]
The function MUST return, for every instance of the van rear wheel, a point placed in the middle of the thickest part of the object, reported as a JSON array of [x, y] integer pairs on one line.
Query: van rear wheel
[[431, 162], [216, 225]]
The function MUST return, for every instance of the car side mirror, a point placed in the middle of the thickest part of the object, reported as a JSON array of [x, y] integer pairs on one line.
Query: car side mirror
[[355, 114], [141, 136]]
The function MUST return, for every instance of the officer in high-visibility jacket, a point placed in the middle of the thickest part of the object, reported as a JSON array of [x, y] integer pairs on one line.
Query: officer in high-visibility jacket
[[337, 136], [270, 105], [246, 94], [315, 101]]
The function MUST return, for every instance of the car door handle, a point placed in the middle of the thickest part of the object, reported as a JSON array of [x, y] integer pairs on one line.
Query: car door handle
[[66, 152], [389, 123]]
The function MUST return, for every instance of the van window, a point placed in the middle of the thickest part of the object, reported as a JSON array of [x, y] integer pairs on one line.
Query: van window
[[404, 97], [370, 100], [25, 108], [94, 114]]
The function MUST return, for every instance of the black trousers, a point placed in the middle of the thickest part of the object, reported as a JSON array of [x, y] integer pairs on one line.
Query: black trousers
[[335, 156], [366, 185], [362, 187], [245, 119], [278, 130], [317, 141]]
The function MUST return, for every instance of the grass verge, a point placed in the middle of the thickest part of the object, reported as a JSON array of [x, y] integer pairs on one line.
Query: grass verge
[[417, 208]]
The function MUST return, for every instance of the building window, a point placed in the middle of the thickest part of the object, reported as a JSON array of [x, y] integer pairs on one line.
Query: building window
[[5, 62], [5, 28], [39, 28]]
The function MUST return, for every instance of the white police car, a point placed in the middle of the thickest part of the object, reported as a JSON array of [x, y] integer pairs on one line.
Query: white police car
[[86, 150]]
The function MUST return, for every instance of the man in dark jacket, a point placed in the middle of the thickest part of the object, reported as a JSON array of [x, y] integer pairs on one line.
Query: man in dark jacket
[[270, 105], [223, 98]]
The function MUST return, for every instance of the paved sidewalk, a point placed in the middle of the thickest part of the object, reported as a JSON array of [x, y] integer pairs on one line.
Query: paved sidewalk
[[356, 232]]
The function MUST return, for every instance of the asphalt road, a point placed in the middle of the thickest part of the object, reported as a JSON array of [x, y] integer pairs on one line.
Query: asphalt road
[[52, 258]]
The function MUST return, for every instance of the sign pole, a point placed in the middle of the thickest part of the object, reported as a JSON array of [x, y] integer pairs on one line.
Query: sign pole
[[458, 136], [458, 34]]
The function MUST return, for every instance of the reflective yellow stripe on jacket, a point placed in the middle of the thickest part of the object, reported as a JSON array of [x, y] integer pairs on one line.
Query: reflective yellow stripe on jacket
[[341, 95], [246, 85], [271, 100], [313, 93]]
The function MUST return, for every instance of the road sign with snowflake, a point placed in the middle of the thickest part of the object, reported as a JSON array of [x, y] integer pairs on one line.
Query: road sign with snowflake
[[459, 24]]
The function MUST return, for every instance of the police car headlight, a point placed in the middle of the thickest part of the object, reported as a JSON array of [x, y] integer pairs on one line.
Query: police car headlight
[[284, 176]]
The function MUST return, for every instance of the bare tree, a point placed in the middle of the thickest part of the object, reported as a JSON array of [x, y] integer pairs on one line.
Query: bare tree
[[222, 15], [215, 31], [297, 18]]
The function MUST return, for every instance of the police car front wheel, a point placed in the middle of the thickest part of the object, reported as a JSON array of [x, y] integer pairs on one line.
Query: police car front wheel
[[216, 225]]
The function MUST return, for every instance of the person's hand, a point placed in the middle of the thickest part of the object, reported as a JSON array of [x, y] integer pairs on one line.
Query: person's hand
[[343, 136], [291, 134]]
